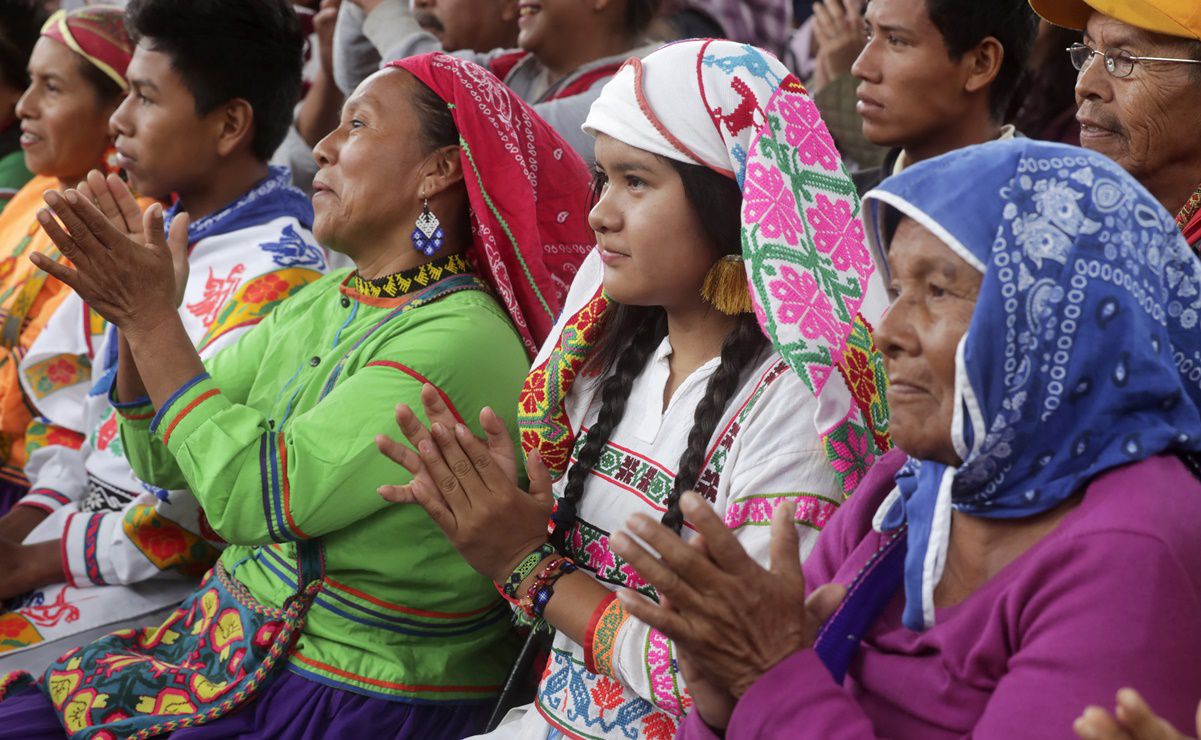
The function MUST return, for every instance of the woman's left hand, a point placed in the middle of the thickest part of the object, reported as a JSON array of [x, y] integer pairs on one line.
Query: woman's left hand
[[466, 489], [730, 617], [1132, 719], [130, 283]]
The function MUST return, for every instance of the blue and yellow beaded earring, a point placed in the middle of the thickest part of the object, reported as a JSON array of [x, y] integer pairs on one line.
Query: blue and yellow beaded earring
[[427, 237]]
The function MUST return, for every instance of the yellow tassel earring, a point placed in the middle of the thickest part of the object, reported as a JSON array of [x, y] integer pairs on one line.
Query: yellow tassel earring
[[726, 287]]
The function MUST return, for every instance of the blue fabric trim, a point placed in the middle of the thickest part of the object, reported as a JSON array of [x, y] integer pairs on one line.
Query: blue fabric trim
[[483, 620], [111, 353], [309, 675], [277, 500], [158, 417], [271, 198], [271, 531]]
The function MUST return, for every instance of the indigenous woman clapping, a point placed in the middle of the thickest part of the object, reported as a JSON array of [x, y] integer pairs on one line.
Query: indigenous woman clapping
[[332, 613], [667, 372], [77, 72], [1031, 545]]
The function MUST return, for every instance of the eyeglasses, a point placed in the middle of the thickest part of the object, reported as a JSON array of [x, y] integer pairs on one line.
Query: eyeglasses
[[1118, 62]]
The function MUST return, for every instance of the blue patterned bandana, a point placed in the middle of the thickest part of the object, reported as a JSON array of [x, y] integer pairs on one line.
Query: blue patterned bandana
[[1083, 353]]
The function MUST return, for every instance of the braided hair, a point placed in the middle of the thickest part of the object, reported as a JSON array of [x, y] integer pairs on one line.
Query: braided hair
[[631, 335]]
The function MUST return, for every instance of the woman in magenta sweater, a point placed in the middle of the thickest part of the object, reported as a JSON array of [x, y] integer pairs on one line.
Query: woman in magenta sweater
[[1031, 547]]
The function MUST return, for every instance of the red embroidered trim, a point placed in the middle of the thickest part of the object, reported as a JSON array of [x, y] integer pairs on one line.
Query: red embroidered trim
[[187, 410]]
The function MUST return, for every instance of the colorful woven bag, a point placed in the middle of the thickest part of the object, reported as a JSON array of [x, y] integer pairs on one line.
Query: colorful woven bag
[[212, 655]]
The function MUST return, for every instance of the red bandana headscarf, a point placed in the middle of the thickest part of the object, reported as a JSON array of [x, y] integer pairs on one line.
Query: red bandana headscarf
[[529, 192], [98, 35]]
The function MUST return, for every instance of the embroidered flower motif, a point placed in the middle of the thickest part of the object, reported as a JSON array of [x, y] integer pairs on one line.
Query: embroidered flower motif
[[607, 694], [658, 726], [802, 303], [769, 203], [860, 378], [839, 234], [803, 130], [850, 458], [61, 371], [268, 288], [162, 541]]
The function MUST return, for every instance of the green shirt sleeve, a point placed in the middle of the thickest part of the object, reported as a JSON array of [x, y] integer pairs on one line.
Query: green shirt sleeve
[[233, 369], [321, 471]]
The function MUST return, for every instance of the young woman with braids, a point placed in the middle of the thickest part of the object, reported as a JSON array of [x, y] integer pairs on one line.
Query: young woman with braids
[[664, 374]]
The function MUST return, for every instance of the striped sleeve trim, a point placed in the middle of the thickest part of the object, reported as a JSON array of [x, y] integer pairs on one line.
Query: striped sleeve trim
[[169, 408], [277, 494], [189, 408]]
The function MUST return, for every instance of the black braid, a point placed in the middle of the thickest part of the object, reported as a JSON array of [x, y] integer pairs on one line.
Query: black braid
[[633, 334], [740, 348]]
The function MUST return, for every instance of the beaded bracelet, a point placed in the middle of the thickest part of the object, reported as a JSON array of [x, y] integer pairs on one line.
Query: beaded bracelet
[[525, 568], [540, 591]]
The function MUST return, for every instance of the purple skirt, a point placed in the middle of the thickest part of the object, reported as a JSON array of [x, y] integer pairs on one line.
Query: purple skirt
[[291, 707]]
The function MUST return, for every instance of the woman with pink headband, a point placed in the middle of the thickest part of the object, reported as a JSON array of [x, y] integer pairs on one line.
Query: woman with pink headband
[[77, 71]]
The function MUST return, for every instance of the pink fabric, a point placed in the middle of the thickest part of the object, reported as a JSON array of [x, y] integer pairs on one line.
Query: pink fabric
[[530, 223], [1111, 598]]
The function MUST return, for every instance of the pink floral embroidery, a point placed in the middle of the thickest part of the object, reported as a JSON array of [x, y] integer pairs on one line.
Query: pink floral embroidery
[[599, 557], [850, 458], [810, 510], [803, 130], [769, 202], [633, 579], [801, 302], [662, 673], [839, 234]]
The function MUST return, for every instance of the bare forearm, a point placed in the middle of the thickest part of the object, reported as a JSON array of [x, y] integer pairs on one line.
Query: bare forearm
[[164, 359], [19, 522], [577, 595]]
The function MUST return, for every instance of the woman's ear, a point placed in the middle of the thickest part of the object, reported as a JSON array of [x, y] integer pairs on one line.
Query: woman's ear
[[984, 64], [235, 121], [443, 170]]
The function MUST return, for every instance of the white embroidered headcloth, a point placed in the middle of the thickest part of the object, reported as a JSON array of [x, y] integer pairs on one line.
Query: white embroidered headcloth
[[737, 110]]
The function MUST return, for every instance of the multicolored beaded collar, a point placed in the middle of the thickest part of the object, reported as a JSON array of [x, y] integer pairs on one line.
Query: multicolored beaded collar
[[400, 283]]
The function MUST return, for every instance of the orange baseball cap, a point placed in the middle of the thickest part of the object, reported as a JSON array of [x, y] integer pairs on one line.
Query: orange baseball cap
[[1171, 17]]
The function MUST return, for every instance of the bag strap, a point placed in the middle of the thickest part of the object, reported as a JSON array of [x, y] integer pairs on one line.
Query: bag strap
[[840, 637]]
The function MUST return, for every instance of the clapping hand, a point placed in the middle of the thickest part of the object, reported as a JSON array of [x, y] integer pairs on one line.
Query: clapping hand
[[122, 262]]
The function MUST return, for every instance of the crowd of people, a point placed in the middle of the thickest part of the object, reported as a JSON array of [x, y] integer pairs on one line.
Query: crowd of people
[[538, 369]]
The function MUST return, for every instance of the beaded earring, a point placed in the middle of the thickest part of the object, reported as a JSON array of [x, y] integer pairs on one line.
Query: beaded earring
[[427, 237]]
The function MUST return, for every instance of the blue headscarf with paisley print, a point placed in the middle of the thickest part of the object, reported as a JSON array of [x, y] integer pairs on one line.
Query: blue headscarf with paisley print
[[1083, 353]]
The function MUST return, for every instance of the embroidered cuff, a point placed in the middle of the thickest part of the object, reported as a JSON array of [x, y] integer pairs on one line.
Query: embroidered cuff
[[137, 410], [45, 499], [601, 638], [189, 407], [82, 535]]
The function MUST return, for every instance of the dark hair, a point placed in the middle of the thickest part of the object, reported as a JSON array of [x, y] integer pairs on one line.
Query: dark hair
[[640, 13], [20, 26], [632, 333], [106, 88], [229, 49], [1047, 87], [437, 124], [965, 23]]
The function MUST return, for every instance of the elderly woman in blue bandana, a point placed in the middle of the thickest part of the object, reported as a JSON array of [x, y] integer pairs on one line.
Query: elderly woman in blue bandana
[[1031, 546]]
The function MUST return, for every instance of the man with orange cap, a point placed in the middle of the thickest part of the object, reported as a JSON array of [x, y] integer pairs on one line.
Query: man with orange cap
[[1139, 92]]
